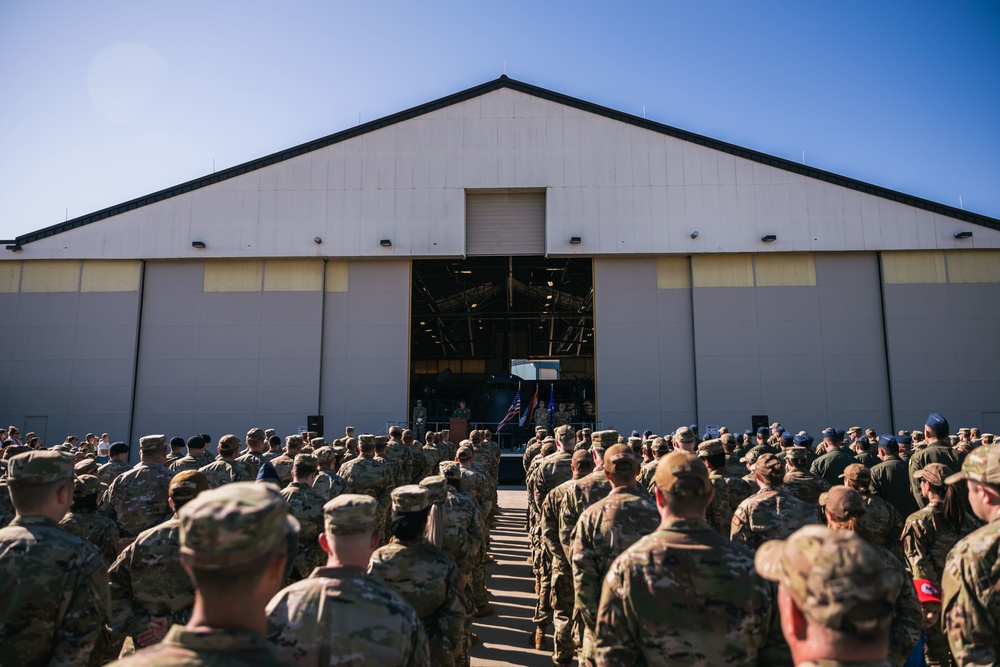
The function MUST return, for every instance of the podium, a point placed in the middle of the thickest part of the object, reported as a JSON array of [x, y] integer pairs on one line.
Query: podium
[[459, 429]]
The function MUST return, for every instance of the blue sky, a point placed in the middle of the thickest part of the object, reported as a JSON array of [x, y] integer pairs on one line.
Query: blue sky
[[103, 101]]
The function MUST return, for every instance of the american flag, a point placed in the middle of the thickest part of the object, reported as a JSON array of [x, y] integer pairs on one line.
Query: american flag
[[514, 411]]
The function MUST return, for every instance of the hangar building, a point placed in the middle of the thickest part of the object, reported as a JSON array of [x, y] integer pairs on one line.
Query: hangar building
[[691, 280]]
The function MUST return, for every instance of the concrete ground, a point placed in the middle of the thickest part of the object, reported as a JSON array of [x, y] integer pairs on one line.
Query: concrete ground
[[506, 636]]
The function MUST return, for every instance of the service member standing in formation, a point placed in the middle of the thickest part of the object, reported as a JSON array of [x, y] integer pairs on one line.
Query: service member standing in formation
[[339, 615], [53, 585], [234, 546], [137, 499], [772, 512]]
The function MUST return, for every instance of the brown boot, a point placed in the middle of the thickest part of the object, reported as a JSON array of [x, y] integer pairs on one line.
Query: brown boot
[[540, 638]]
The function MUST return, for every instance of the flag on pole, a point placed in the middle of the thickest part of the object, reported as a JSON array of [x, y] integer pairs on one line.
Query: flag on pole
[[515, 410], [532, 404], [552, 402]]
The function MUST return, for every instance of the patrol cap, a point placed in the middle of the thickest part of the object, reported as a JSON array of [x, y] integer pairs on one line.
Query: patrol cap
[[410, 498], [350, 513], [678, 466], [620, 460], [854, 429], [904, 439], [153, 443], [325, 455], [40, 466], [437, 488], [763, 430], [963, 430], [661, 446], [775, 425], [711, 448], [887, 440], [548, 447], [582, 457], [787, 437], [803, 439], [566, 434], [841, 433], [797, 453], [465, 452], [937, 423], [857, 472], [366, 440], [255, 434], [305, 459], [934, 473], [843, 502], [234, 524], [607, 438], [750, 457], [195, 442], [317, 442], [981, 465], [188, 484], [770, 467], [86, 485], [450, 469], [684, 433], [748, 432], [830, 433], [294, 441], [85, 466], [268, 432], [229, 443], [834, 577]]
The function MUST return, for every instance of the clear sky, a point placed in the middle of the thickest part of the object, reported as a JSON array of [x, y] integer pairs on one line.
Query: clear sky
[[103, 101]]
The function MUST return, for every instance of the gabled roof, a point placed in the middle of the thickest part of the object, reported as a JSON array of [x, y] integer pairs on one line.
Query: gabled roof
[[528, 89]]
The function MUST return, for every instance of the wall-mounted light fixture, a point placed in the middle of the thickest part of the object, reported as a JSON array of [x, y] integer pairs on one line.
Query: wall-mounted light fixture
[[200, 245], [385, 243], [769, 238], [694, 234], [575, 240], [963, 235], [317, 240]]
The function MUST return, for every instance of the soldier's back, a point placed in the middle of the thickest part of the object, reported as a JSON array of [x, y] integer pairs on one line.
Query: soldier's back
[[306, 505], [971, 597], [53, 595], [805, 486], [369, 626], [95, 528], [139, 498], [283, 466], [188, 462], [251, 462], [683, 595], [110, 470], [771, 514], [329, 484], [224, 471], [205, 648], [365, 476]]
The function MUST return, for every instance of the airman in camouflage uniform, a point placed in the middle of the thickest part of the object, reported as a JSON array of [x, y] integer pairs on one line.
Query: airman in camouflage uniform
[[306, 505], [370, 625], [844, 509], [83, 520], [604, 531], [683, 594], [53, 585], [971, 588], [274, 448], [400, 453], [801, 483], [883, 524], [149, 587], [176, 450], [660, 447], [116, 466], [328, 483], [460, 501], [283, 464], [424, 575], [236, 537], [851, 603], [392, 466], [772, 512], [533, 447], [433, 453], [197, 457], [588, 490], [225, 469], [137, 499], [562, 601], [253, 458], [728, 492], [367, 476]]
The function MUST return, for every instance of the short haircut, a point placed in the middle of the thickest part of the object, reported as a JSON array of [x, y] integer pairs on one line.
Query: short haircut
[[303, 468], [30, 499], [690, 497], [395, 431]]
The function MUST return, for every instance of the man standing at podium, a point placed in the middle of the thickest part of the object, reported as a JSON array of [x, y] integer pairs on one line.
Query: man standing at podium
[[462, 412]]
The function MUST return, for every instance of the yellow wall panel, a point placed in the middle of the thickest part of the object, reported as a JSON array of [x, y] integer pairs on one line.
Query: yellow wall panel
[[10, 277], [913, 267], [785, 270], [100, 275], [233, 275], [722, 270], [973, 266], [293, 275], [673, 273], [56, 275], [336, 276]]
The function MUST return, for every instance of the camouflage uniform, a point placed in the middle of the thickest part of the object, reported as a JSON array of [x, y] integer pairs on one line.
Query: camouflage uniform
[[192, 462], [283, 466], [934, 452], [229, 526], [883, 523], [251, 462], [562, 574], [606, 529], [426, 577], [805, 486], [329, 484], [341, 616], [770, 514], [137, 499], [53, 585], [110, 470], [97, 529], [306, 505], [683, 595], [369, 477], [550, 473], [225, 471], [402, 455]]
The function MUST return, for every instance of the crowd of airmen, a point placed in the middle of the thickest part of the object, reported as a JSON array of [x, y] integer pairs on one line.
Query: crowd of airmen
[[651, 550], [368, 550], [765, 548]]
